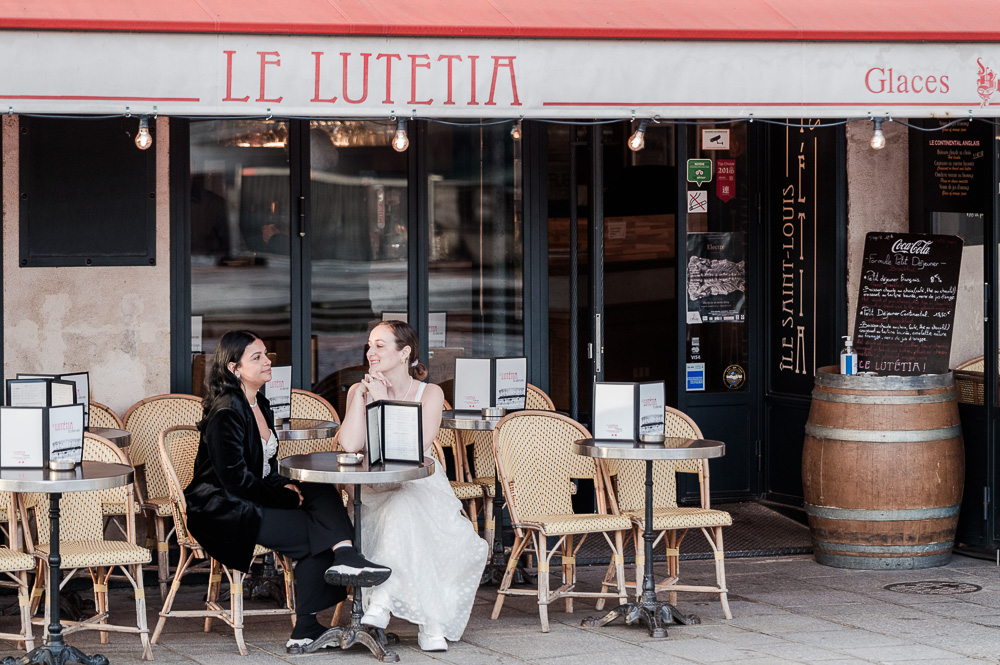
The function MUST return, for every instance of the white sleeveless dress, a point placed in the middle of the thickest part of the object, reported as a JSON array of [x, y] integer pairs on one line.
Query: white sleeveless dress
[[437, 559]]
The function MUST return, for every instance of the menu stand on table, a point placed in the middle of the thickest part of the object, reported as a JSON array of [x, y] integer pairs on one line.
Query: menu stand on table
[[268, 584], [324, 468], [497, 565], [85, 477], [647, 609]]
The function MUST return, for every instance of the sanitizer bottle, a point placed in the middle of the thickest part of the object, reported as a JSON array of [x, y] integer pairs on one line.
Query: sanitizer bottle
[[848, 358]]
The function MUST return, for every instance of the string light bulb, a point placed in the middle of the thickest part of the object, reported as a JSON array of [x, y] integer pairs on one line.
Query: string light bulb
[[143, 140], [400, 142], [515, 131], [638, 140], [878, 138]]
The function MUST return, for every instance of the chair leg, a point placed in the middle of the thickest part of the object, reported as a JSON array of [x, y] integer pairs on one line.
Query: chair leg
[[640, 561], [619, 562], [508, 574], [289, 577], [236, 598], [609, 575], [214, 581], [38, 587], [162, 554], [673, 562], [24, 604], [100, 579], [182, 564], [543, 581], [568, 574], [720, 572], [489, 525], [140, 611]]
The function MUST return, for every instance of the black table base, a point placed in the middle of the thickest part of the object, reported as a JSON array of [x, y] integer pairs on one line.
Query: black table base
[[56, 655], [648, 610]]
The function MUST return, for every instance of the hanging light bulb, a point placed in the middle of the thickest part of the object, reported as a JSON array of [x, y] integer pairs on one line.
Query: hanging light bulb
[[143, 140], [515, 131], [878, 138], [400, 142], [638, 140]]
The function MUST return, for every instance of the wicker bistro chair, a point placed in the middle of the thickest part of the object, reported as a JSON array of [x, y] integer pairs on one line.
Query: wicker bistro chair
[[145, 420], [82, 545], [670, 521], [14, 565], [104, 416], [483, 458], [466, 492], [309, 405], [536, 468], [177, 448]]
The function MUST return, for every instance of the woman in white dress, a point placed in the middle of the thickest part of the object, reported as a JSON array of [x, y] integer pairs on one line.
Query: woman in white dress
[[416, 528]]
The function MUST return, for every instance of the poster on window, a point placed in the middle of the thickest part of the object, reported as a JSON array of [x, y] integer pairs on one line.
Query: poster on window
[[716, 278]]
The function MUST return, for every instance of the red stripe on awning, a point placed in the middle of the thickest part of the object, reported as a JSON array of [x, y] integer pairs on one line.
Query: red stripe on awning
[[783, 20]]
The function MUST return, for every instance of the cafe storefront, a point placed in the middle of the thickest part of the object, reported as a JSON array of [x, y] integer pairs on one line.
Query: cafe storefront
[[481, 174]]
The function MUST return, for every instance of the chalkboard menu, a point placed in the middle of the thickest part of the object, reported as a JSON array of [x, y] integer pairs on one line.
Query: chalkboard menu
[[906, 305]]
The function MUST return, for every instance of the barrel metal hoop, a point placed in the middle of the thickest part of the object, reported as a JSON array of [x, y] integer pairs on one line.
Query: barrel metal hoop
[[867, 515], [826, 377], [885, 549], [883, 563], [883, 436], [933, 398]]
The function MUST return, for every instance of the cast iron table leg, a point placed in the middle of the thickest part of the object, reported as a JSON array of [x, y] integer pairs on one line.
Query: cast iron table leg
[[648, 609], [345, 637], [495, 567], [55, 651]]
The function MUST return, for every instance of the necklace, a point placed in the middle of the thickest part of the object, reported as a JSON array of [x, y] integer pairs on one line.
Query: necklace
[[254, 405], [408, 388]]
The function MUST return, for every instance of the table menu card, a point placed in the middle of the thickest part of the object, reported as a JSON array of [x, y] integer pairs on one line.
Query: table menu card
[[279, 391], [906, 303], [626, 410], [31, 436], [490, 382], [40, 392], [82, 382], [395, 432]]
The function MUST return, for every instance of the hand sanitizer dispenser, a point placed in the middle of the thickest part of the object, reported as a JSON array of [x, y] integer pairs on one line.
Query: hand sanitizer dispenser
[[848, 358]]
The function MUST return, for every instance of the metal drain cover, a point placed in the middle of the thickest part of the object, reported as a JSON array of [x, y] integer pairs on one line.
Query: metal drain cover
[[933, 588]]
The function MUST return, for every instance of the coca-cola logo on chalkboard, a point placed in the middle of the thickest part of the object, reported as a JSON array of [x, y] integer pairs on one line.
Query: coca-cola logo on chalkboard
[[906, 304]]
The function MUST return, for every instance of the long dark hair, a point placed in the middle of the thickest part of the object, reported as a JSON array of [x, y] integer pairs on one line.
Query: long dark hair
[[406, 336], [220, 380]]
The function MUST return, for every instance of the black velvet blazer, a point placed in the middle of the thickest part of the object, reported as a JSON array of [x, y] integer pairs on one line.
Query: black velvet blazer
[[228, 490]]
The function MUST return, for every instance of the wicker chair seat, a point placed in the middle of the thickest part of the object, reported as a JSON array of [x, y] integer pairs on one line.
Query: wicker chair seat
[[488, 483], [681, 518], [113, 508], [163, 505], [11, 560], [574, 523], [94, 553], [464, 491]]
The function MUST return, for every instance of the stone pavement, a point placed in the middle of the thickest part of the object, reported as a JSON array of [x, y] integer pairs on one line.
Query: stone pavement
[[785, 610]]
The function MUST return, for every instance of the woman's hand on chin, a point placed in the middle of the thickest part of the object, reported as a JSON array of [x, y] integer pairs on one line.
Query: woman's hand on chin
[[376, 385]]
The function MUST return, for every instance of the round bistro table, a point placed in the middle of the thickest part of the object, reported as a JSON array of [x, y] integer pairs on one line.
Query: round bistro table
[[87, 476], [474, 421], [120, 437], [655, 614], [324, 468]]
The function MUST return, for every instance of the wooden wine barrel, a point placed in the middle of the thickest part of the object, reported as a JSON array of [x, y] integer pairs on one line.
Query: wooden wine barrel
[[882, 470]]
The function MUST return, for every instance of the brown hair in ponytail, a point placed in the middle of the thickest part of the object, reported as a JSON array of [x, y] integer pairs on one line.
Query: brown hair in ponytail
[[406, 336]]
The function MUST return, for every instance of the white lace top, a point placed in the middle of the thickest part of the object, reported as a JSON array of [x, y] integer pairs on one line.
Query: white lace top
[[270, 450]]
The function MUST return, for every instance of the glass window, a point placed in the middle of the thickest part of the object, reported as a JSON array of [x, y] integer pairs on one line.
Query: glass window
[[240, 276], [476, 249], [358, 245]]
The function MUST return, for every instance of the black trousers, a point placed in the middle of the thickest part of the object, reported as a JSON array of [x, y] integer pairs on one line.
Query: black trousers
[[307, 534]]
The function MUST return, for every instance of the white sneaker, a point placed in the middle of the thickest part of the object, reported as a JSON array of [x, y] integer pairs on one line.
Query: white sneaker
[[431, 642], [376, 616]]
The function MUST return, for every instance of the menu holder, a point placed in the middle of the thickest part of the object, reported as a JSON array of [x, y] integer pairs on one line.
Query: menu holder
[[279, 391], [80, 379], [491, 383], [624, 411], [394, 432], [40, 392], [36, 437]]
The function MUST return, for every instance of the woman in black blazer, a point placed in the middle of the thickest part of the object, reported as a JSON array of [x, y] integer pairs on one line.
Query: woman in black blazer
[[237, 499]]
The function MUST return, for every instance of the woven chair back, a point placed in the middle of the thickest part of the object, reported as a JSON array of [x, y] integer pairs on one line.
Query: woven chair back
[[145, 420], [631, 475], [178, 447], [537, 400], [104, 416], [537, 465], [82, 516], [309, 405]]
